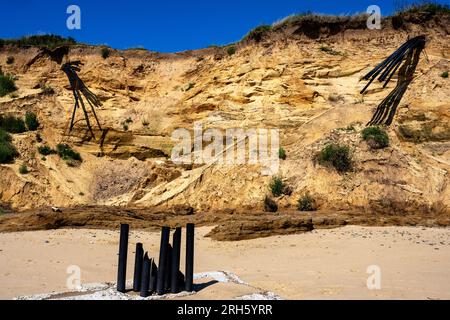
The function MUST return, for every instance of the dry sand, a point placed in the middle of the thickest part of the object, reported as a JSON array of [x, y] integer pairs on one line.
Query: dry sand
[[323, 264]]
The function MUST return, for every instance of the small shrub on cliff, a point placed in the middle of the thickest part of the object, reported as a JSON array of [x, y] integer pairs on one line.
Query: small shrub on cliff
[[231, 50], [66, 153], [444, 74], [270, 205], [47, 90], [330, 51], [10, 60], [23, 169], [276, 186], [31, 121], [7, 84], [307, 203], [7, 153], [105, 53], [46, 150], [7, 150], [282, 154], [336, 155], [258, 33], [12, 124], [376, 137]]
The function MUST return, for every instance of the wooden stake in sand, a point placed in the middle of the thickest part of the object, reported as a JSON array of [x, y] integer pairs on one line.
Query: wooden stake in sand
[[123, 251]]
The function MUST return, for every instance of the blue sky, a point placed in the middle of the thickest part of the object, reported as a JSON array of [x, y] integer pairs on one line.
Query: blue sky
[[166, 26]]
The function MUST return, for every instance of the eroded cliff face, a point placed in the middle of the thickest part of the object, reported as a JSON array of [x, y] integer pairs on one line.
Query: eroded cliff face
[[284, 81]]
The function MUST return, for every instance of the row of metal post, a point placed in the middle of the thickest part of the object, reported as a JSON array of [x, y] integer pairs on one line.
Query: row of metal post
[[149, 278]]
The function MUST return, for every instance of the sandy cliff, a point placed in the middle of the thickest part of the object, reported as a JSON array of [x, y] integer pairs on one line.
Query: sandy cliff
[[282, 80]]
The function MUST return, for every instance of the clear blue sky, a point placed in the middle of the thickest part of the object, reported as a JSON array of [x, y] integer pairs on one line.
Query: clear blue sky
[[166, 26]]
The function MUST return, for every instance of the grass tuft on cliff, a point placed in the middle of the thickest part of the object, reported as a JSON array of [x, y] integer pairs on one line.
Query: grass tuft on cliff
[[12, 124], [276, 186], [306, 203], [31, 121], [337, 156], [430, 7], [376, 137], [71, 157], [49, 41], [258, 33], [7, 150], [7, 84]]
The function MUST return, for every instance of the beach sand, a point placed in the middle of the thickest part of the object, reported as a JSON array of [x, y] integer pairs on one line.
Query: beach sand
[[322, 264]]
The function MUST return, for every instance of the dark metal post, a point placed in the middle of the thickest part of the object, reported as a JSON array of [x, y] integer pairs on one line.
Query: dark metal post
[[189, 257], [168, 276], [175, 267], [165, 234], [153, 275], [145, 279], [123, 250], [138, 267]]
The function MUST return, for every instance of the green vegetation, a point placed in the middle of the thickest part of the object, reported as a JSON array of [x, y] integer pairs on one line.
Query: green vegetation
[[190, 86], [46, 150], [231, 50], [31, 121], [7, 84], [66, 153], [12, 124], [258, 33], [330, 51], [105, 53], [444, 74], [23, 169], [43, 41], [276, 186], [337, 156], [145, 122], [314, 19], [349, 128], [5, 136], [282, 154], [7, 150], [376, 137], [306, 203], [270, 205], [430, 7], [47, 90], [10, 60]]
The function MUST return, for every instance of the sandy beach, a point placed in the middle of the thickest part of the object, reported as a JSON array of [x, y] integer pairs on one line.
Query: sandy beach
[[322, 264]]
